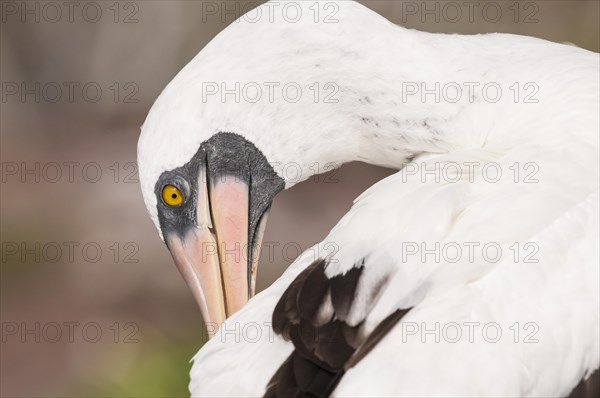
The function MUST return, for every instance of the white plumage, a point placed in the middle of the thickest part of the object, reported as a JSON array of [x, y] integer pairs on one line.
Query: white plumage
[[555, 210], [559, 294]]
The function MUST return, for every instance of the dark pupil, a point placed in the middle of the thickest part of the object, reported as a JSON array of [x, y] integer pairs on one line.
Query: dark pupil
[[174, 196]]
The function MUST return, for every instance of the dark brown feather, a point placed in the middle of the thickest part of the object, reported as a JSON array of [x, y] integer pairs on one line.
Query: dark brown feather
[[332, 347], [304, 371], [322, 350], [312, 291], [286, 311], [343, 290], [589, 388], [375, 337], [282, 384]]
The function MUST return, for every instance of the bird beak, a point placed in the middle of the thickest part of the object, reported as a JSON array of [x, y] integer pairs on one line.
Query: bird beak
[[214, 257]]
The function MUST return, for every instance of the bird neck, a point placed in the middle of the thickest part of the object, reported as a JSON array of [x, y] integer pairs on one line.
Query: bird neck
[[372, 91], [427, 93], [384, 104]]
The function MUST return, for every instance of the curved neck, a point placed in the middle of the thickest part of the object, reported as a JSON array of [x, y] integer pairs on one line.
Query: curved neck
[[433, 93], [372, 91]]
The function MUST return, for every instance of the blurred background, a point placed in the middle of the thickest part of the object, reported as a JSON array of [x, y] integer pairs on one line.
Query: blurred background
[[91, 303]]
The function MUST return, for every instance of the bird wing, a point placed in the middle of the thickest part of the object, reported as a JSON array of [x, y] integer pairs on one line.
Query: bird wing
[[524, 329], [540, 229], [302, 331]]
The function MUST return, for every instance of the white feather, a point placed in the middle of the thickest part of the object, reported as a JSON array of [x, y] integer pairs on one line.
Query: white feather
[[369, 59]]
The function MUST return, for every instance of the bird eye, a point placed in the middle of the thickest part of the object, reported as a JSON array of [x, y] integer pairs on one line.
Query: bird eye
[[172, 196]]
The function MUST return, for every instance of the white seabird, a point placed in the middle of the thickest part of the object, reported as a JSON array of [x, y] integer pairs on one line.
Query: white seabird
[[359, 314]]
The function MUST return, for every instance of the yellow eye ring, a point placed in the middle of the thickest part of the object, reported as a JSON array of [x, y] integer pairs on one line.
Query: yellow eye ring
[[172, 196]]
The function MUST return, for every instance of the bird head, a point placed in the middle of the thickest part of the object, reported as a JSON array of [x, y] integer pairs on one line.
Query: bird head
[[212, 162], [265, 105], [212, 212]]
